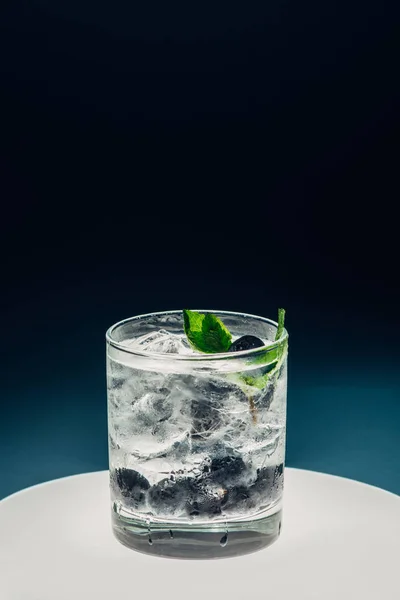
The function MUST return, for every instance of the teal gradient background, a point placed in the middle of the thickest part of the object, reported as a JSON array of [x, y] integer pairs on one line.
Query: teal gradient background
[[343, 400], [235, 156]]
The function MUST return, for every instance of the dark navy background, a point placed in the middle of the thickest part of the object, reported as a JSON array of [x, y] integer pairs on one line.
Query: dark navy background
[[228, 155]]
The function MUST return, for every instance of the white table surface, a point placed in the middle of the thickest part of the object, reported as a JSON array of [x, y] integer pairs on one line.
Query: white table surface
[[340, 540]]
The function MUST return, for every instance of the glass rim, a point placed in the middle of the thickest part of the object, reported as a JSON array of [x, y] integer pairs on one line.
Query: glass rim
[[201, 356]]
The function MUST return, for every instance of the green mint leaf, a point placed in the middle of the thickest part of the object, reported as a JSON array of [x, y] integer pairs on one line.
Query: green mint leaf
[[262, 376], [281, 323], [206, 332], [275, 358], [258, 382]]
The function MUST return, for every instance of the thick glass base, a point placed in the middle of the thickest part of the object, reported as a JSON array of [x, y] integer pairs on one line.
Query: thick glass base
[[193, 541]]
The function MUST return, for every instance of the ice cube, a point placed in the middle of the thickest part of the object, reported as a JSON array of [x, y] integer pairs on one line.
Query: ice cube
[[162, 342], [215, 404], [263, 399], [137, 385], [155, 420]]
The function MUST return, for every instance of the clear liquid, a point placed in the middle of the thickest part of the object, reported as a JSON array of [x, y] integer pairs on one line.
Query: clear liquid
[[200, 448]]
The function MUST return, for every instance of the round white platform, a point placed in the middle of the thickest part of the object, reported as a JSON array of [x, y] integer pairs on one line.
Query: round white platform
[[340, 540]]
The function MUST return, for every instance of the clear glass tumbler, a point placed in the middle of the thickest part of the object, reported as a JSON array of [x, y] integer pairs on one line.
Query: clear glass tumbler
[[196, 441]]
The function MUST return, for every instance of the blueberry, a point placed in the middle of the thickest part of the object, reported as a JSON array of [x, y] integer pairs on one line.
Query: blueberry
[[238, 498], [226, 469], [206, 500], [169, 497], [131, 485], [269, 482], [246, 342], [263, 491]]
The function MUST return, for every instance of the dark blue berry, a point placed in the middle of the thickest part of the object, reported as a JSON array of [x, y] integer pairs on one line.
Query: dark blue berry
[[269, 481], [226, 469], [246, 342], [169, 496], [263, 491], [131, 485], [238, 497], [206, 500]]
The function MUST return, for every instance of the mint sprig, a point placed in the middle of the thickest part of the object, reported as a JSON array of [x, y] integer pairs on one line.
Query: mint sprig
[[281, 323], [271, 368], [206, 332]]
